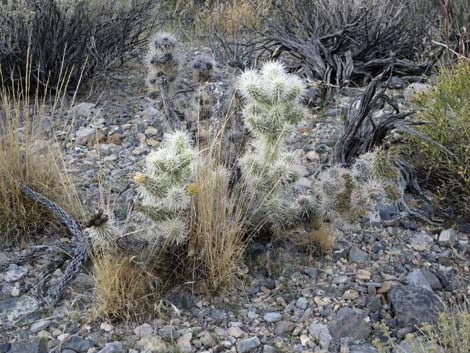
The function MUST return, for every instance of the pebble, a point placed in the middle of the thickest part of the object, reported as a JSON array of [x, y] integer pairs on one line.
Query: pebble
[[272, 317]]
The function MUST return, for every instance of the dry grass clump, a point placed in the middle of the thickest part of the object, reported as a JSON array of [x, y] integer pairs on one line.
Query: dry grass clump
[[28, 157], [231, 16], [219, 227], [124, 290]]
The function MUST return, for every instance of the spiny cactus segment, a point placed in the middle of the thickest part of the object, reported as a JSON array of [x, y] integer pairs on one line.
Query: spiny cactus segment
[[272, 107], [166, 188]]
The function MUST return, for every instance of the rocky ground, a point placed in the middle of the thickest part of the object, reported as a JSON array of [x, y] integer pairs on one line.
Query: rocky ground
[[289, 300]]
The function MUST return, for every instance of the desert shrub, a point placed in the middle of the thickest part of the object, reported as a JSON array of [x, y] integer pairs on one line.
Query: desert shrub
[[443, 165], [336, 41], [28, 157], [58, 34], [451, 334], [272, 108]]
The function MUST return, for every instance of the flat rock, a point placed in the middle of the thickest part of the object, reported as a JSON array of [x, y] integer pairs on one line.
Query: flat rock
[[14, 273], [35, 346], [321, 333], [248, 344], [272, 317], [448, 238], [421, 242], [78, 344], [357, 255], [113, 347], [184, 343], [39, 326], [362, 348], [413, 305], [417, 279], [13, 309], [349, 322], [143, 330]]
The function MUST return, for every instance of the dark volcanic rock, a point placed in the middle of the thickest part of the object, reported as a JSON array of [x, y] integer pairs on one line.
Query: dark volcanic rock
[[413, 305], [36, 346], [349, 323]]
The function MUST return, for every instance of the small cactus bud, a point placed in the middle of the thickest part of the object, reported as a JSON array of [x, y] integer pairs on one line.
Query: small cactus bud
[[139, 178]]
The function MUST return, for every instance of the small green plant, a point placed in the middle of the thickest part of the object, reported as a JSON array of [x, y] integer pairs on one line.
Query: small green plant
[[272, 107], [444, 165]]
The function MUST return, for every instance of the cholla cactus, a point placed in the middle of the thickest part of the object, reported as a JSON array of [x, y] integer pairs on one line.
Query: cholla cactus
[[203, 68], [346, 193], [273, 106], [162, 60], [166, 188]]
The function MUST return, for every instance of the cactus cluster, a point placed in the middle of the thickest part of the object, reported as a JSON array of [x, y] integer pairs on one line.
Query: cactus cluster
[[162, 60], [347, 193], [166, 188], [273, 106]]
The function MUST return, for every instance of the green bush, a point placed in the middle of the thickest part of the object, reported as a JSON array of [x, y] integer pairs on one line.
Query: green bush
[[65, 36], [444, 166]]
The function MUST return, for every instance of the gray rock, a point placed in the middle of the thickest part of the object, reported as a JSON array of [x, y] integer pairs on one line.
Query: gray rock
[[269, 349], [3, 258], [417, 279], [415, 88], [349, 323], [312, 272], [182, 299], [301, 303], [413, 305], [83, 109], [78, 344], [395, 83], [421, 242], [143, 330], [39, 326], [321, 334], [284, 327], [113, 347], [362, 348], [14, 309], [14, 273], [5, 347], [424, 278], [432, 279], [35, 346], [168, 332], [448, 238], [272, 317], [357, 255], [85, 135], [248, 344], [184, 343]]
